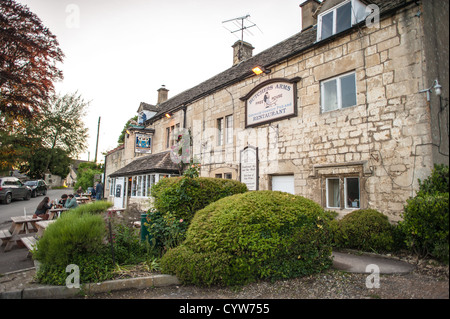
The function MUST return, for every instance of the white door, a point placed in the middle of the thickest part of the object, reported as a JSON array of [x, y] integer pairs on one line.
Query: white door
[[284, 183], [119, 192]]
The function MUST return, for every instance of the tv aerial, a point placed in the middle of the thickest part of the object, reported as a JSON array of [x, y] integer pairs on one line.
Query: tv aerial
[[242, 24]]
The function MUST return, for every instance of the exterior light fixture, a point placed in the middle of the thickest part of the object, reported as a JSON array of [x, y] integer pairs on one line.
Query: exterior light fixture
[[168, 115], [437, 89], [260, 69]]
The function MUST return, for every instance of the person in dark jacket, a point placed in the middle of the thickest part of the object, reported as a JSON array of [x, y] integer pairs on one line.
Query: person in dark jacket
[[41, 210], [99, 191]]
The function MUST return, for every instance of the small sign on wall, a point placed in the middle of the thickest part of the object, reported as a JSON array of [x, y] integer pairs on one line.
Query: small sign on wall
[[270, 101], [249, 172]]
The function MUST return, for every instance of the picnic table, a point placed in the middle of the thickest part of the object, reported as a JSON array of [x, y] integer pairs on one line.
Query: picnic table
[[83, 200], [56, 212], [20, 225], [42, 225]]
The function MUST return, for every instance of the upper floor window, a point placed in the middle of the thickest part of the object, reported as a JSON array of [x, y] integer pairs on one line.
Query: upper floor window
[[338, 92], [171, 134], [225, 130], [339, 18]]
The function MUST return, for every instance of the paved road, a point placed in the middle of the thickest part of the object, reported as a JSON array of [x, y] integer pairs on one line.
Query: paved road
[[17, 207]]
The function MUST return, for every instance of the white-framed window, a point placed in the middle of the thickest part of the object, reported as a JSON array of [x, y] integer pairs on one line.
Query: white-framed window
[[338, 92], [112, 186], [229, 129], [172, 134], [333, 193], [350, 192], [339, 18], [220, 131], [225, 130]]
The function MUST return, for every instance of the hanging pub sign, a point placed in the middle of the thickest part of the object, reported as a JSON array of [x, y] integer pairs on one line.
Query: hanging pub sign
[[249, 172], [270, 101], [143, 143]]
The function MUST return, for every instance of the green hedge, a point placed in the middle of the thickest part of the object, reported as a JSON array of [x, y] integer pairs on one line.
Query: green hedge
[[246, 237], [183, 196], [72, 234], [364, 229], [426, 216]]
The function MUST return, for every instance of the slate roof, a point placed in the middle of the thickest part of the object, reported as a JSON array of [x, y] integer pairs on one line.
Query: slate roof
[[159, 163], [276, 54]]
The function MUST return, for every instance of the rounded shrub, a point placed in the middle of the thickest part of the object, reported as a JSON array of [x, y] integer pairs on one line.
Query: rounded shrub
[[72, 234], [426, 225], [364, 229], [183, 196], [251, 236]]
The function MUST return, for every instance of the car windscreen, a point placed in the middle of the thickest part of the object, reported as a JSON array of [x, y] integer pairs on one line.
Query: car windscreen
[[31, 183]]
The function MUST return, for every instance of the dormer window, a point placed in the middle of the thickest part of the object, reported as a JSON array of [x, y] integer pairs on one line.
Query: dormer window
[[340, 18]]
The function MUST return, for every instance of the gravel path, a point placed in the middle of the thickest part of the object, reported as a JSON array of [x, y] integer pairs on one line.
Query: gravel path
[[427, 281]]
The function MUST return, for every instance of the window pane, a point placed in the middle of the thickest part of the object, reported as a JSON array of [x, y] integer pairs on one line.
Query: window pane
[[133, 186], [344, 17], [327, 25], [139, 186], [329, 96], [333, 198], [229, 131], [220, 131], [348, 90], [352, 192]]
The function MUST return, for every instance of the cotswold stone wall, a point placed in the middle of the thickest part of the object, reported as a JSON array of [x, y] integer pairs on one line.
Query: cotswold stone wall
[[384, 140]]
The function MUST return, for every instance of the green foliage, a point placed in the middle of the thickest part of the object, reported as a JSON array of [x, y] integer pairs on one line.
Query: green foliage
[[183, 196], [437, 182], [86, 174], [426, 225], [364, 229], [78, 237], [426, 216], [96, 207], [71, 235], [165, 231], [251, 236]]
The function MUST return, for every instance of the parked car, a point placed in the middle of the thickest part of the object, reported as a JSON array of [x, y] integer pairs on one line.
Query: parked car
[[12, 188], [38, 187]]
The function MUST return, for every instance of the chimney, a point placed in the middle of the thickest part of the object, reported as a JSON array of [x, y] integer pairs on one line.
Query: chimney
[[241, 51], [309, 7], [162, 95]]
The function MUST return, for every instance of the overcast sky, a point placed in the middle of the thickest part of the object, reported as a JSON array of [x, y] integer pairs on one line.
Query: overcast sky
[[118, 53]]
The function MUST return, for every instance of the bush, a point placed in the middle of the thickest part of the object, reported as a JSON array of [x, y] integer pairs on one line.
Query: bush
[[426, 227], [96, 207], [78, 237], [425, 220], [183, 196], [72, 234], [251, 236], [165, 231], [364, 229]]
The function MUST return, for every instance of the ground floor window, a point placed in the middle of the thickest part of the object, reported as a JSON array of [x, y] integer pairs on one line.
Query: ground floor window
[[347, 188], [141, 185]]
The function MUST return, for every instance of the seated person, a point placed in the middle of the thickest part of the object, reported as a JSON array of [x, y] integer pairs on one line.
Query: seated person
[[41, 210], [71, 202], [63, 200]]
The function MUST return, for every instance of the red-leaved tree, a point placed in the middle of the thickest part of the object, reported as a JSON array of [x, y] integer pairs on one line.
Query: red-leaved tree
[[29, 54]]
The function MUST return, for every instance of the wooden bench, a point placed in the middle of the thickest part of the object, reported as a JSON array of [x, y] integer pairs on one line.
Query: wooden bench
[[29, 242], [4, 235]]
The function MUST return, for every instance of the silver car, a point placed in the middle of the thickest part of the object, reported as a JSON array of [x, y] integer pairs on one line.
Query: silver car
[[12, 188]]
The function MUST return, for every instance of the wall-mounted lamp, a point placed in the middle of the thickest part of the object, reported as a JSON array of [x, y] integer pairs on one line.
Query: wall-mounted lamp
[[168, 115], [437, 89], [260, 69]]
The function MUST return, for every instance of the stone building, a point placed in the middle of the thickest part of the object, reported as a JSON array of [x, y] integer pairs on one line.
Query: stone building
[[344, 112]]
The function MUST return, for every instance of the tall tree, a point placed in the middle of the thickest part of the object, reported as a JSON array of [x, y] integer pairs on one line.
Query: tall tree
[[29, 54], [62, 124]]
